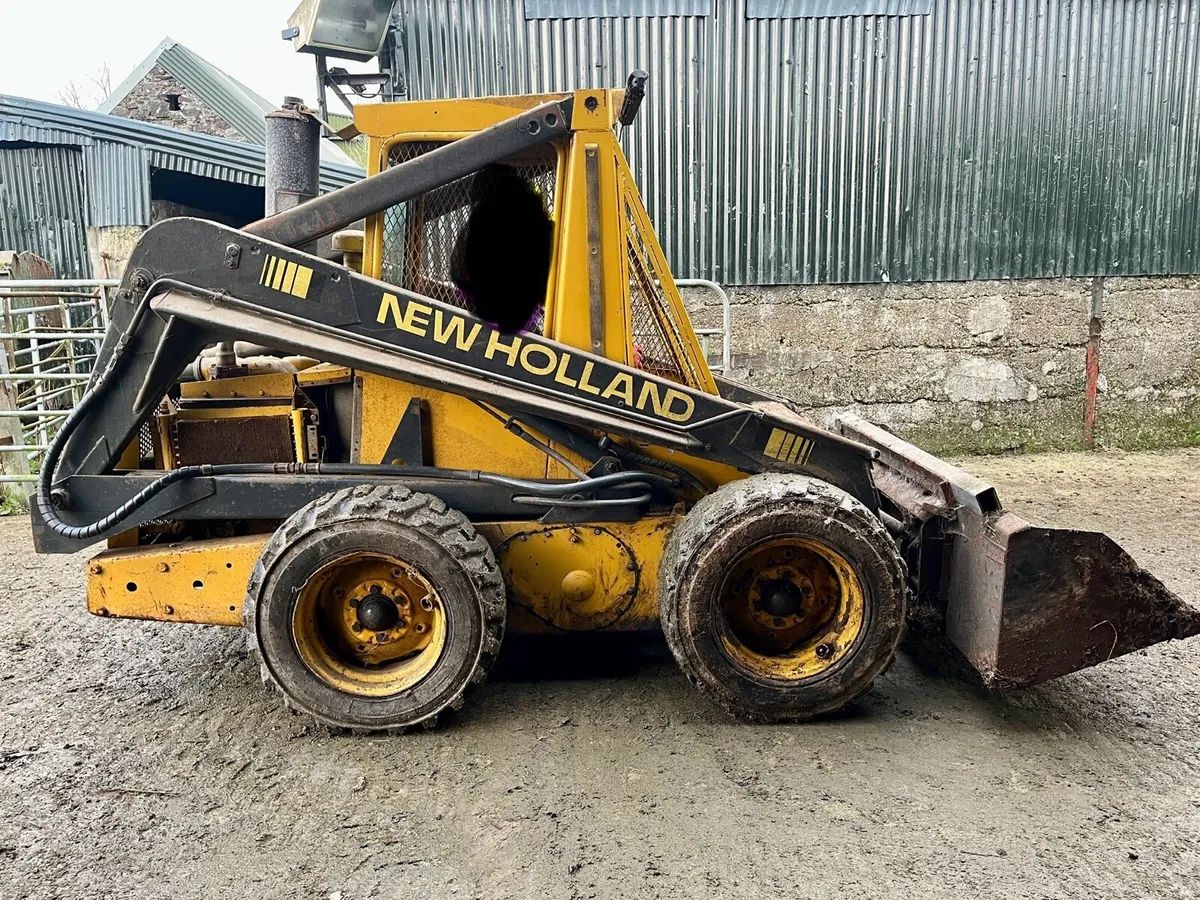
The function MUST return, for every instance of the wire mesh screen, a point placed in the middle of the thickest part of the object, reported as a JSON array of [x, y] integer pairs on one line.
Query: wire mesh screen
[[419, 236], [649, 312]]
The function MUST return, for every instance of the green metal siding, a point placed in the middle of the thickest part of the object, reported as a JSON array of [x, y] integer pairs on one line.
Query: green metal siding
[[986, 140]]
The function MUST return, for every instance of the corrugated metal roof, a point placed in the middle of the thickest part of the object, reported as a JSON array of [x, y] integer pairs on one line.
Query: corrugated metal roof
[[237, 104], [42, 207], [591, 9], [183, 151], [1015, 138], [812, 9]]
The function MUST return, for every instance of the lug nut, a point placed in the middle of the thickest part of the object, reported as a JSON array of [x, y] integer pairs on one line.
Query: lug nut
[[354, 626], [824, 651]]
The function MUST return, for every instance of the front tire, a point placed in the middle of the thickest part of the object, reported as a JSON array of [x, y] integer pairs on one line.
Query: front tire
[[375, 609], [782, 597]]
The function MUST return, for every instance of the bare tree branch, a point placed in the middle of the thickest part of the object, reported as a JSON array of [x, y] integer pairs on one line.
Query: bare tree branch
[[70, 95], [77, 96], [103, 81]]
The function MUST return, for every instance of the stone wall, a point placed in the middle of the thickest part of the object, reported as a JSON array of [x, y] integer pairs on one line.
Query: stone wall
[[147, 102], [986, 366]]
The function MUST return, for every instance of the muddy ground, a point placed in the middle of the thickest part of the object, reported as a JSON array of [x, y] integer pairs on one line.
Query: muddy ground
[[141, 760]]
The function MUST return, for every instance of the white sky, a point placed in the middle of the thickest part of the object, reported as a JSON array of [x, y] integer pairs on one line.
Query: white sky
[[45, 43]]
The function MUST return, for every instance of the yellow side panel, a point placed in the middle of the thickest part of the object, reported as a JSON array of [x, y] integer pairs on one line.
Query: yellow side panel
[[276, 384], [463, 435], [201, 581], [600, 576]]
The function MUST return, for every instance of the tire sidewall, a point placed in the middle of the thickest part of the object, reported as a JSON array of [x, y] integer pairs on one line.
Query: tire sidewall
[[279, 592], [694, 627]]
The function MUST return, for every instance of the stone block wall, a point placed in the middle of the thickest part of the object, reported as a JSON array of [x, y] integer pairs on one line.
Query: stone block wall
[[147, 102], [986, 366]]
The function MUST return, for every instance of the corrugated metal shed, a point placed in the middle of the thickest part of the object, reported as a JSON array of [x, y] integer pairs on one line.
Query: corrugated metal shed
[[118, 183], [590, 9], [183, 151], [812, 9], [1016, 138], [41, 206], [64, 169]]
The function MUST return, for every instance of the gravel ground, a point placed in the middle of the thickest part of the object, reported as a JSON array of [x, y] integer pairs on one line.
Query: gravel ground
[[141, 760]]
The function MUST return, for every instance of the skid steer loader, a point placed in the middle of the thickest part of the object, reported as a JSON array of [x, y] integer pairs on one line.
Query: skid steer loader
[[375, 484]]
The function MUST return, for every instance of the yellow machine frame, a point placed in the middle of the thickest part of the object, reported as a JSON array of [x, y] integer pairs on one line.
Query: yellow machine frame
[[582, 577]]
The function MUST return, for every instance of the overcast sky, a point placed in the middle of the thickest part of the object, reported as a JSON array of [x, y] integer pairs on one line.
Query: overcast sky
[[46, 43]]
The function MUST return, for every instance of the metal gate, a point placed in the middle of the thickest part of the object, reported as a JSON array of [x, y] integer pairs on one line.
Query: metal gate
[[51, 333]]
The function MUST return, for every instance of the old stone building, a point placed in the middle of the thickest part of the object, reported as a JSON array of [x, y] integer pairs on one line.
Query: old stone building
[[162, 98], [176, 87]]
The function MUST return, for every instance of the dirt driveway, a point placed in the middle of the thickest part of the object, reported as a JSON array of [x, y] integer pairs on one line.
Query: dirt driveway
[[141, 760]]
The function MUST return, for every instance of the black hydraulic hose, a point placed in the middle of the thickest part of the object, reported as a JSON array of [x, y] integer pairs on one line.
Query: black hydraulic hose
[[629, 455], [45, 503], [50, 518], [583, 503], [548, 494]]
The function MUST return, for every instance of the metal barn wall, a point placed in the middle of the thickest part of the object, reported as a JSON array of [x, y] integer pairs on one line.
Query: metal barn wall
[[42, 206], [1006, 139]]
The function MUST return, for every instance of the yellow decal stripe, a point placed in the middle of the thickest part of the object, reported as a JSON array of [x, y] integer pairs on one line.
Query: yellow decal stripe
[[277, 281], [303, 278], [785, 451], [289, 275], [797, 449], [262, 278], [773, 442]]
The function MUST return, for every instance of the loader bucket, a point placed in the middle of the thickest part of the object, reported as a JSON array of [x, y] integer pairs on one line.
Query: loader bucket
[[1022, 602]]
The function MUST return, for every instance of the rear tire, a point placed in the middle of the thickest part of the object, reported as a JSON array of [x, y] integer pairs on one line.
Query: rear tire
[[782, 597], [375, 609]]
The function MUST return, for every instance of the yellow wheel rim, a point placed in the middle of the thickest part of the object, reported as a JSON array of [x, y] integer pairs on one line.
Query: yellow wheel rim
[[369, 624], [791, 608]]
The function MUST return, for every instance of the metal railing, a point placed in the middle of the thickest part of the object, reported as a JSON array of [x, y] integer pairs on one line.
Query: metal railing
[[51, 333], [724, 332]]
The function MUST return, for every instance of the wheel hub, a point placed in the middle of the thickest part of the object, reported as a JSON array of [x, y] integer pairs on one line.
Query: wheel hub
[[781, 597], [369, 624], [378, 612], [792, 607]]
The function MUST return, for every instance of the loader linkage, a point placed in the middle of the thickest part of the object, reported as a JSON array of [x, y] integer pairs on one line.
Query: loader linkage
[[367, 498]]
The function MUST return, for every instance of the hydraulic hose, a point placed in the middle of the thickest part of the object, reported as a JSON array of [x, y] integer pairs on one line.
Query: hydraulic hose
[[632, 479], [43, 499]]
